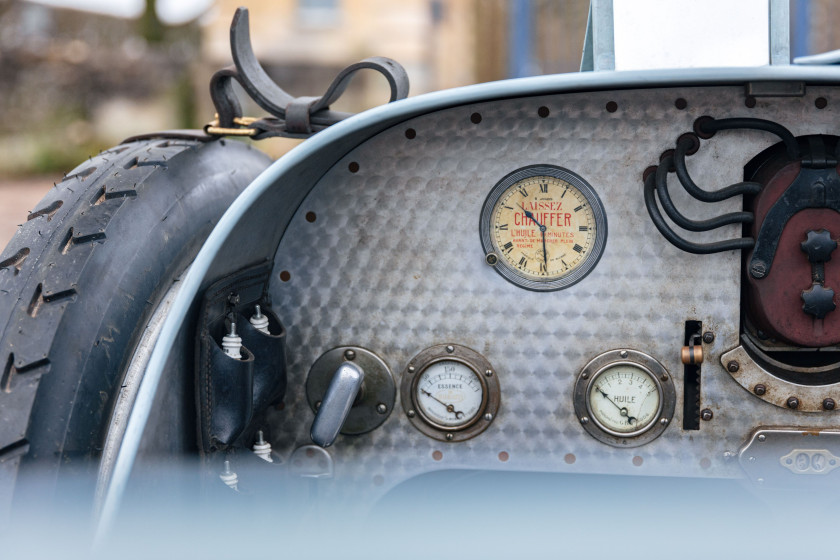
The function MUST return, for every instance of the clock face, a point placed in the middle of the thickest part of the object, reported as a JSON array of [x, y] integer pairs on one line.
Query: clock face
[[543, 228]]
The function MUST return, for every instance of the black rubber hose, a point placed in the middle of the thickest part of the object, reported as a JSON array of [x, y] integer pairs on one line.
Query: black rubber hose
[[679, 242], [683, 146], [661, 177], [711, 125]]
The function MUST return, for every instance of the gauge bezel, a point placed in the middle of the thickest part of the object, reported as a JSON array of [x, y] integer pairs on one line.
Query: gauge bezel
[[511, 274], [602, 364], [478, 364]]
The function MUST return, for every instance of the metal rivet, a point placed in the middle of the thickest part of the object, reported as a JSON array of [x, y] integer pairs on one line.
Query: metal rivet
[[664, 421], [759, 389], [793, 402], [623, 353], [708, 337], [489, 373], [410, 369], [349, 355], [829, 404], [584, 420], [450, 349], [762, 437], [733, 366], [449, 437], [707, 414], [381, 408], [664, 377], [488, 417], [584, 375], [411, 413]]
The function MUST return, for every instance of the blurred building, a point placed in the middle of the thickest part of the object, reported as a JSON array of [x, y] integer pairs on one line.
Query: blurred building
[[442, 44]]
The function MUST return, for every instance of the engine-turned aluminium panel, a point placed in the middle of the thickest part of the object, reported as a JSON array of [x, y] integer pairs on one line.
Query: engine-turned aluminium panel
[[386, 254]]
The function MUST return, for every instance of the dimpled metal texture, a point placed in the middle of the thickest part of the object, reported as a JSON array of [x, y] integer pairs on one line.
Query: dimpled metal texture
[[393, 263]]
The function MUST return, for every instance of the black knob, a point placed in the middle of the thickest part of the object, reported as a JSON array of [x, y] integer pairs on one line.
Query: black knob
[[819, 246], [819, 301]]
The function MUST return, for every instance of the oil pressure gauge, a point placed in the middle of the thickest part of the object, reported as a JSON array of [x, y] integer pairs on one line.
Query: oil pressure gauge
[[543, 228], [450, 392], [624, 398]]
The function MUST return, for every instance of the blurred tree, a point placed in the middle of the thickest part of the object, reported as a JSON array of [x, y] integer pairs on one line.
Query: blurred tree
[[151, 28]]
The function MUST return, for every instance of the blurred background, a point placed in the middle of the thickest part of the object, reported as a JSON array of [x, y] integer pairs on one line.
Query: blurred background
[[78, 76]]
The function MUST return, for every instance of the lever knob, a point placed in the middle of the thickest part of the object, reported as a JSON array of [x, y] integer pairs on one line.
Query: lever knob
[[819, 301], [336, 404], [819, 246]]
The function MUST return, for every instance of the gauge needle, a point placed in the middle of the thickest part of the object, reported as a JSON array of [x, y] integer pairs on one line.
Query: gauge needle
[[621, 409], [449, 407], [545, 253], [530, 216]]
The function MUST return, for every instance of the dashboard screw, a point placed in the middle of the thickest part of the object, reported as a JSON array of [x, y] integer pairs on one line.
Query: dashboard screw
[[488, 417], [349, 355], [584, 420], [829, 404], [793, 402], [450, 349], [706, 414], [491, 259], [664, 421], [411, 413], [381, 408], [759, 389], [623, 353], [317, 405], [410, 369], [733, 366], [449, 437], [489, 373], [762, 438], [708, 337]]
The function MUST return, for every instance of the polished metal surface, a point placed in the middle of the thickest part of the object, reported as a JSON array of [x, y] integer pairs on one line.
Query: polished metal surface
[[780, 457], [332, 411], [393, 262]]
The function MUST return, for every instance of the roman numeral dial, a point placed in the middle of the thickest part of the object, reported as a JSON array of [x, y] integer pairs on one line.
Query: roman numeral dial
[[546, 226]]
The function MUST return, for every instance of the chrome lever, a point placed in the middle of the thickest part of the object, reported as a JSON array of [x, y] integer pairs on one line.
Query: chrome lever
[[336, 404]]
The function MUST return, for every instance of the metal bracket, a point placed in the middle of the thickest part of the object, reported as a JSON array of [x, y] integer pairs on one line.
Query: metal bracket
[[292, 117]]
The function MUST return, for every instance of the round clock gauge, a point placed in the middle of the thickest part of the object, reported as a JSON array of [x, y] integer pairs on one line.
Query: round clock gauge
[[543, 228]]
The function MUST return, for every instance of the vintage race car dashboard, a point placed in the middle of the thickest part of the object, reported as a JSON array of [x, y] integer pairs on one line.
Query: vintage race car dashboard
[[495, 271], [625, 275]]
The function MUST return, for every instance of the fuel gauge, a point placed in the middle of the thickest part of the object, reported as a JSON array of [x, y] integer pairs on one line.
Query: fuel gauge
[[450, 392]]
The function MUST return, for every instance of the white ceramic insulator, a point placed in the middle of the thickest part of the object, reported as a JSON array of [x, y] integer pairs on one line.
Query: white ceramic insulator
[[260, 321], [263, 451], [229, 477], [232, 343]]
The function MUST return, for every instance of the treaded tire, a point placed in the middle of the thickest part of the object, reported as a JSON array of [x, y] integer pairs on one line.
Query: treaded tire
[[79, 281]]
